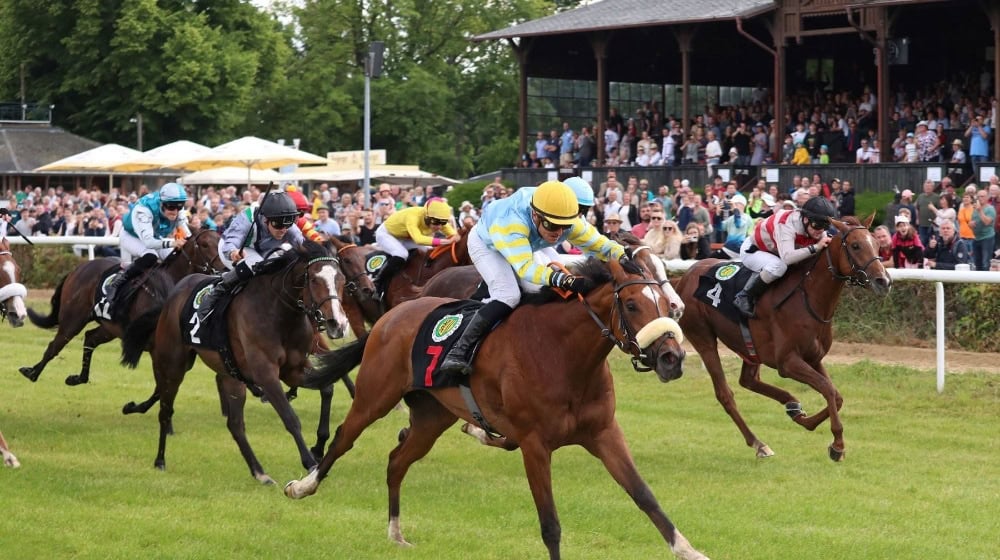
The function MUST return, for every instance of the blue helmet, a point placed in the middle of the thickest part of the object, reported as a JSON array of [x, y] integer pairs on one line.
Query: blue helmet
[[173, 192], [584, 193]]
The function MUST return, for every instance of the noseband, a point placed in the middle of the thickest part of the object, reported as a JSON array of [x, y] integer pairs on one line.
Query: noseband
[[351, 284], [628, 344], [314, 311], [859, 275]]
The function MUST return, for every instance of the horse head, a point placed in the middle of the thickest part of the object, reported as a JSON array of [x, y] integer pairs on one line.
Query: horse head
[[644, 255], [12, 292], [853, 256], [643, 328], [322, 281], [357, 282], [202, 252]]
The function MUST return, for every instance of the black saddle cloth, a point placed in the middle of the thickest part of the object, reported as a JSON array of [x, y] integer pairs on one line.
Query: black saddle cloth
[[440, 331], [719, 285], [212, 333]]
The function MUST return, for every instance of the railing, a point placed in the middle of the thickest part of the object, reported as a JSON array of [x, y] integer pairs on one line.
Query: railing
[[26, 112], [79, 242]]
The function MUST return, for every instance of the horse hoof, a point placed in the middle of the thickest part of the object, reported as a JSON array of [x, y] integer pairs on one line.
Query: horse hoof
[[29, 372], [129, 408], [160, 466], [265, 480], [837, 455], [74, 380], [764, 451]]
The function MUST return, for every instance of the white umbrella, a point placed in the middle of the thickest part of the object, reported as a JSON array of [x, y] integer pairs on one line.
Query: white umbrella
[[166, 156], [402, 173], [249, 153], [230, 175], [100, 158]]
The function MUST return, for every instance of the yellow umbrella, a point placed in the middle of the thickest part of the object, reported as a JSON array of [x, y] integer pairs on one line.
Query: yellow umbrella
[[250, 152]]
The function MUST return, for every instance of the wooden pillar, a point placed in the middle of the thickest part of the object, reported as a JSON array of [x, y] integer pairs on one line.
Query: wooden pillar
[[883, 94], [599, 44], [685, 38], [521, 51]]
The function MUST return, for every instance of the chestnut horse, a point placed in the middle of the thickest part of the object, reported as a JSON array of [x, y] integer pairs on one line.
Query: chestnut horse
[[12, 291], [9, 460], [792, 330], [270, 325], [73, 301], [569, 400]]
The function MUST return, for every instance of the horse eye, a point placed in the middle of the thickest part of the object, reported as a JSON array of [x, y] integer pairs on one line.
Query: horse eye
[[630, 306], [855, 246]]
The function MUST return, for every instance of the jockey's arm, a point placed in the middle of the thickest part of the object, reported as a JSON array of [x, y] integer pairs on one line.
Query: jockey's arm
[[786, 245], [586, 238], [414, 221], [513, 243], [142, 223], [233, 236]]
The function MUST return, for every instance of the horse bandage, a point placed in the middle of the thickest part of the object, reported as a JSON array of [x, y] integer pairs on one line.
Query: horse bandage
[[657, 328]]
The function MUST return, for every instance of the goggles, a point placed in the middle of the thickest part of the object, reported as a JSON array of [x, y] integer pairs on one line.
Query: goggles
[[554, 227], [281, 222], [436, 222], [172, 205], [819, 224]]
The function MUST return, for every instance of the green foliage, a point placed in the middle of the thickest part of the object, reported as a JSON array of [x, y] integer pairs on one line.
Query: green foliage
[[906, 317], [868, 202], [44, 267]]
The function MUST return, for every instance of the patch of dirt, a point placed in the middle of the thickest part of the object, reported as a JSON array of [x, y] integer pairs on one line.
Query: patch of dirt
[[955, 361]]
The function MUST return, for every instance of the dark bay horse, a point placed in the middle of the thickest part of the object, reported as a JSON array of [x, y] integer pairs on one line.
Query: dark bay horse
[[541, 378], [792, 331], [270, 325], [73, 301], [357, 299], [12, 291]]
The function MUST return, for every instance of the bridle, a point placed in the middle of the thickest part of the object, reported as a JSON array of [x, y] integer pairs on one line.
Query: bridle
[[351, 284], [859, 275], [207, 267], [314, 311], [628, 343]]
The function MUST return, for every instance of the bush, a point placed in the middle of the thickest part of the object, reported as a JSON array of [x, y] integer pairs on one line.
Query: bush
[[44, 267]]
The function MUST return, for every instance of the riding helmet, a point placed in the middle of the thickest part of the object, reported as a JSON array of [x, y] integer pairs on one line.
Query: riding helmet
[[278, 205], [438, 209], [584, 192], [299, 199], [173, 192], [556, 202], [818, 208]]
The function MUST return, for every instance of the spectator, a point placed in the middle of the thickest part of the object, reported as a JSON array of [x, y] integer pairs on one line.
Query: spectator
[[907, 250], [965, 211], [663, 237], [801, 156], [926, 207], [912, 153], [928, 143], [695, 245], [884, 239], [326, 226], [466, 210], [957, 154], [978, 133], [945, 212], [983, 217], [612, 224], [945, 249]]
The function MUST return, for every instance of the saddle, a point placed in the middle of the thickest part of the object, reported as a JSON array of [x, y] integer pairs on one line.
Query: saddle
[[718, 287], [116, 309]]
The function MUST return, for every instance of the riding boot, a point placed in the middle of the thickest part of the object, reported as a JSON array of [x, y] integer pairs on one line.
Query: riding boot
[[747, 298], [230, 279], [458, 358], [391, 267], [140, 265]]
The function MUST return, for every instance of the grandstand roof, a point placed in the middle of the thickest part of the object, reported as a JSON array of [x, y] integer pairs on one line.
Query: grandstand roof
[[619, 14], [23, 147]]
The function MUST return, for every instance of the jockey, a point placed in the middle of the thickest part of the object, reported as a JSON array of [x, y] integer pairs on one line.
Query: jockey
[[409, 229], [785, 238], [501, 246], [243, 245], [304, 223], [151, 230]]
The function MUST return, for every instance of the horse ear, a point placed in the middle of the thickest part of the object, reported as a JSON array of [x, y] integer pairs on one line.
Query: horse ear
[[868, 221]]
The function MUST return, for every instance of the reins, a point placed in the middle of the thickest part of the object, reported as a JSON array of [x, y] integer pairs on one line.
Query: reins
[[314, 311], [351, 286]]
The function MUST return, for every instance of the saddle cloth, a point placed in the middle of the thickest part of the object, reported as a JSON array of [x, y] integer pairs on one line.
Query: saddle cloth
[[212, 333], [442, 328], [719, 285], [375, 261], [116, 310]]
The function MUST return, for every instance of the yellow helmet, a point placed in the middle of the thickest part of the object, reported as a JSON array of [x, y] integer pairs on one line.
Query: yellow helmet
[[438, 209], [556, 202]]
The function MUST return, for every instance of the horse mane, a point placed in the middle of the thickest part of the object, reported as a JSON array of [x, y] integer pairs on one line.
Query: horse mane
[[625, 238], [594, 270]]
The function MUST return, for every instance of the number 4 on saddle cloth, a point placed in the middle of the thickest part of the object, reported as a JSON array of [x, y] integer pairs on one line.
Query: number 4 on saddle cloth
[[719, 286]]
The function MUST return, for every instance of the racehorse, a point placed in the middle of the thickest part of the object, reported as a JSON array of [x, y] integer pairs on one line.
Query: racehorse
[[792, 331], [531, 382], [74, 299], [357, 300], [12, 292], [270, 326]]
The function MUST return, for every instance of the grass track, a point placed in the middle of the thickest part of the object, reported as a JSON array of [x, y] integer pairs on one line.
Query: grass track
[[920, 479]]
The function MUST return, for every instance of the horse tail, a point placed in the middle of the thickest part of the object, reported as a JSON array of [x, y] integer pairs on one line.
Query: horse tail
[[52, 319], [333, 366], [136, 337]]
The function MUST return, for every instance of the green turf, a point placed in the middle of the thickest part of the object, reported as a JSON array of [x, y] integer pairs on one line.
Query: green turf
[[920, 479]]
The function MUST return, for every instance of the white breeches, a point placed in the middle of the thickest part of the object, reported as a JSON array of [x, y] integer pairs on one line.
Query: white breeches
[[132, 248], [395, 247], [770, 266]]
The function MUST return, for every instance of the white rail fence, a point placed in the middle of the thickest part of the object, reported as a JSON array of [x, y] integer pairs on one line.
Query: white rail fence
[[939, 277]]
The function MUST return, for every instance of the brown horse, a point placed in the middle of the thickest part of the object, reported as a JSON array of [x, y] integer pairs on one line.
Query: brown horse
[[12, 292], [359, 305], [792, 330], [270, 326], [73, 301], [541, 378]]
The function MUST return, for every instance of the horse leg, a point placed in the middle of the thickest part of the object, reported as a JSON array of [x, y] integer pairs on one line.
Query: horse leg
[[750, 379], [817, 378], [234, 398], [8, 458], [67, 331], [323, 427], [167, 384], [376, 397], [91, 340], [428, 420], [272, 390], [538, 467], [609, 446], [710, 357]]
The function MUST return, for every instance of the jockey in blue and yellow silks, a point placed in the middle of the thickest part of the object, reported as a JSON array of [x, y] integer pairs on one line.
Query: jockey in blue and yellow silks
[[502, 245]]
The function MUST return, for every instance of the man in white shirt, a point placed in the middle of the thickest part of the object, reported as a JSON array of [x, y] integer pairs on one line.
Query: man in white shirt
[[654, 155]]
